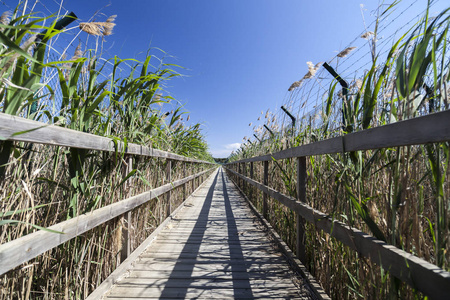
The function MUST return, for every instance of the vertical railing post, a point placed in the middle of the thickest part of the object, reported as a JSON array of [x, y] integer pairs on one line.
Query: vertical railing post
[[301, 196], [193, 180], [244, 172], [196, 179], [169, 180], [239, 172], [184, 185], [266, 182], [251, 177], [126, 219], [191, 172]]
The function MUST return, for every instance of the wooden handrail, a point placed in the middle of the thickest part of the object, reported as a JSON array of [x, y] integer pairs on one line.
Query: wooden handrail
[[15, 128], [432, 128], [18, 251], [425, 277], [420, 274]]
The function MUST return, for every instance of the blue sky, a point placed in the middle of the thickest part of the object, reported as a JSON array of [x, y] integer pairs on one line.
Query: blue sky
[[240, 55]]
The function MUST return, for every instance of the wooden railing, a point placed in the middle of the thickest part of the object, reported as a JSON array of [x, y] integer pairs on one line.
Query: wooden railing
[[21, 250], [423, 276]]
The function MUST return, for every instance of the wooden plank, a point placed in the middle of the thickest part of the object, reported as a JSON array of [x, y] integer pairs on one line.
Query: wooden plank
[[15, 128], [314, 285], [18, 251], [194, 267], [200, 261], [214, 267], [198, 282], [204, 292], [205, 274], [420, 274], [433, 128], [125, 265]]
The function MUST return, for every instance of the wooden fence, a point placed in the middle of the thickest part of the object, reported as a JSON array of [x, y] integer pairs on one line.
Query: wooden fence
[[423, 276], [21, 250]]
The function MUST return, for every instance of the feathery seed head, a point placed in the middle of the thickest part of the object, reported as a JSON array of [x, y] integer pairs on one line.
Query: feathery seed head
[[367, 35], [108, 29], [345, 52], [295, 85], [5, 18], [312, 69], [78, 53], [99, 28]]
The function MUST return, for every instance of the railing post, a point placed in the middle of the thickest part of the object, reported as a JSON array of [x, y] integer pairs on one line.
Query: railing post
[[244, 172], [266, 182], [196, 178], [301, 196], [251, 177], [126, 218], [192, 182], [184, 176], [169, 180], [239, 172]]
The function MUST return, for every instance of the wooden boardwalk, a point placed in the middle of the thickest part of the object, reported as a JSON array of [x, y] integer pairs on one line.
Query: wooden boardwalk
[[213, 248]]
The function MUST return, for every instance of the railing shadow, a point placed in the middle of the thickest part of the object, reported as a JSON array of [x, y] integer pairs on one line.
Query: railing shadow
[[185, 264], [239, 266]]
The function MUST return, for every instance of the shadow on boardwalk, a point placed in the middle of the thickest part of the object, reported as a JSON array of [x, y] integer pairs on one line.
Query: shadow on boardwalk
[[240, 278]]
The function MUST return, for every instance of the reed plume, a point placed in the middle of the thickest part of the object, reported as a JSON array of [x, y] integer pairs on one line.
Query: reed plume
[[99, 28], [346, 51]]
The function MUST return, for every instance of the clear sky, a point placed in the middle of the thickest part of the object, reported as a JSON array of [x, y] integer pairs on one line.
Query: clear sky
[[240, 55]]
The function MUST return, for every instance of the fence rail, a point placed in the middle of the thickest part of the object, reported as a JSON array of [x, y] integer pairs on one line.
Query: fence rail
[[432, 128], [20, 250], [423, 276], [15, 128]]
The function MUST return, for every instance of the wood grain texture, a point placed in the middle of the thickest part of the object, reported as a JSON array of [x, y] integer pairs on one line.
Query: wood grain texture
[[18, 251], [313, 284], [121, 270], [212, 249], [432, 128], [420, 274], [15, 128]]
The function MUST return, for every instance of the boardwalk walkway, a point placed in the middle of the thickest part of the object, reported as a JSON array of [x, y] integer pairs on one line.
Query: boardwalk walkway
[[213, 248]]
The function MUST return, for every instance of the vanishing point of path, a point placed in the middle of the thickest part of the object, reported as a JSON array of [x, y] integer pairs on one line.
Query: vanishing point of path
[[213, 248]]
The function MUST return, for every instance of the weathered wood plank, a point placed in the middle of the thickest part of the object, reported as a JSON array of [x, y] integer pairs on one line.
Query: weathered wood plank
[[215, 267], [204, 274], [200, 261], [204, 292], [420, 274], [318, 291], [15, 128], [432, 128], [18, 251], [220, 283], [194, 267], [125, 265]]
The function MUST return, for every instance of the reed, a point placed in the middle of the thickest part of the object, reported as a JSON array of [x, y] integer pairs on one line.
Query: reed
[[42, 185], [399, 195]]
